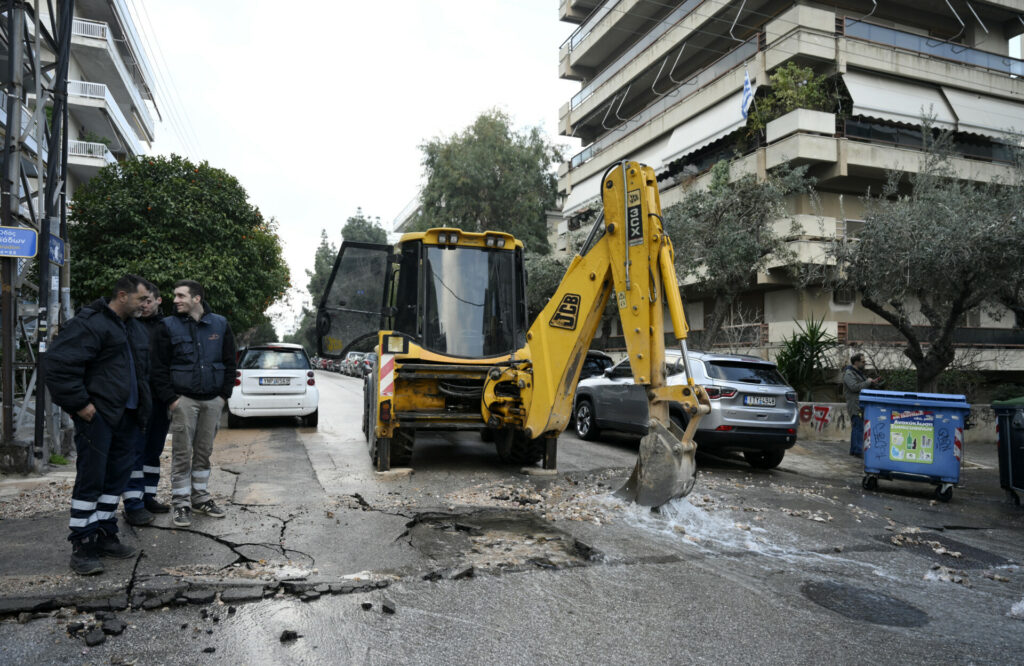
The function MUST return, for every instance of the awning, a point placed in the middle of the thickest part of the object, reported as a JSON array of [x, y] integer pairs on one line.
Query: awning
[[706, 127], [651, 154], [899, 101], [981, 114], [582, 193]]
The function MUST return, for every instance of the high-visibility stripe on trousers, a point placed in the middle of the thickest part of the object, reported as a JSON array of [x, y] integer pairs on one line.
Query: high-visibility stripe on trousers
[[103, 467]]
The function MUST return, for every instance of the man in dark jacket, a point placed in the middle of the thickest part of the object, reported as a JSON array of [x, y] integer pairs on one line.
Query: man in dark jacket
[[854, 381], [194, 374], [139, 497], [97, 370]]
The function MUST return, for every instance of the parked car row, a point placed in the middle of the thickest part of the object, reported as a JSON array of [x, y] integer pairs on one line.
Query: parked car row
[[355, 364], [753, 409]]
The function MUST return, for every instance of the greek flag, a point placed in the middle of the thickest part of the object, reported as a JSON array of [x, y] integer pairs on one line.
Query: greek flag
[[748, 94]]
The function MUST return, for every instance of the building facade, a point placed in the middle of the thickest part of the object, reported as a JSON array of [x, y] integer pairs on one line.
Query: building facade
[[663, 83]]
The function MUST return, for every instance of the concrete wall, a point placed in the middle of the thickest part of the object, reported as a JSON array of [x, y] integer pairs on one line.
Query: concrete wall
[[830, 422]]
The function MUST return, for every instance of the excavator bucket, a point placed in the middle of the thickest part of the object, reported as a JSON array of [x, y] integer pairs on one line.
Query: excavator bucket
[[665, 469]]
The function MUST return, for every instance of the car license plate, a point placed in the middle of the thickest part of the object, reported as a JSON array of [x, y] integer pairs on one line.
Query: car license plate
[[759, 400], [273, 381]]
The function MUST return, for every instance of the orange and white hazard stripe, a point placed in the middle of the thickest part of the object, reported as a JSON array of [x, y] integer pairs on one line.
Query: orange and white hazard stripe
[[387, 375]]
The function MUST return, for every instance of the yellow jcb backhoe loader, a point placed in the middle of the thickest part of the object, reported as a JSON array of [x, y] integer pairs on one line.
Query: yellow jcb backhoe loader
[[445, 311]]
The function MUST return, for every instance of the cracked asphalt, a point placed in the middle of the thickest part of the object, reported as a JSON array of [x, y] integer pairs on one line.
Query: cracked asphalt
[[466, 561]]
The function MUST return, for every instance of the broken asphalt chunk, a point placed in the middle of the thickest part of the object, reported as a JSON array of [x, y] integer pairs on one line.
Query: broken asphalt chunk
[[387, 607], [236, 594], [289, 635], [201, 596], [95, 637], [113, 627]]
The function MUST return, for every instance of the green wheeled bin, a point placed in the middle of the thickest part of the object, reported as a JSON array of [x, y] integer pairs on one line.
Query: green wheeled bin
[[1010, 431]]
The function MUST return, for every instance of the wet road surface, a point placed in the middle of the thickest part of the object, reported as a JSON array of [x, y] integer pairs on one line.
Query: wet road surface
[[481, 564]]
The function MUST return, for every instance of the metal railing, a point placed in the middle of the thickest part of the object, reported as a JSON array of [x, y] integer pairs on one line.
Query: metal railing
[[90, 149], [588, 25], [100, 30], [655, 33], [694, 84], [91, 90], [878, 34], [87, 28]]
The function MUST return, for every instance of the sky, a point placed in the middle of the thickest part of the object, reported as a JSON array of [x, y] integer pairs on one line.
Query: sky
[[319, 108]]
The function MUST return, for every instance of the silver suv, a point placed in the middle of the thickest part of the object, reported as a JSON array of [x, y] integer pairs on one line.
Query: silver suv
[[753, 410]]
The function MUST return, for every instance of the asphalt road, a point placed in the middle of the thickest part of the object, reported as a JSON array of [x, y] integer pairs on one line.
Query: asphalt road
[[483, 564]]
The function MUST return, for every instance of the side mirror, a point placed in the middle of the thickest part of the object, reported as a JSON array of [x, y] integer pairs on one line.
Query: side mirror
[[608, 371]]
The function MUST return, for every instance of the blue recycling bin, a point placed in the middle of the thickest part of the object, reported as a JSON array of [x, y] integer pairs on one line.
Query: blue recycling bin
[[914, 437]]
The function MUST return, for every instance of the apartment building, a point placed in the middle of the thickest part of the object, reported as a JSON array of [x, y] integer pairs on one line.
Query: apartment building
[[110, 90], [662, 83]]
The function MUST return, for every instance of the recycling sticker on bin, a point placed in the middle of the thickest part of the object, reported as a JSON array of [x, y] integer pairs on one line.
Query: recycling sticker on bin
[[912, 436]]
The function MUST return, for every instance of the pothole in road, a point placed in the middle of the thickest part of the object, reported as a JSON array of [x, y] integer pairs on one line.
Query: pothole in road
[[496, 540], [866, 605]]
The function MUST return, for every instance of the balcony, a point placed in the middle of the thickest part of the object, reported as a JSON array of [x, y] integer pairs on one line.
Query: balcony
[[95, 108], [26, 120], [85, 159], [100, 60]]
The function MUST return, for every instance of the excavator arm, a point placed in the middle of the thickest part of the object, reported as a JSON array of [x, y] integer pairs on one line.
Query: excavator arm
[[628, 257]]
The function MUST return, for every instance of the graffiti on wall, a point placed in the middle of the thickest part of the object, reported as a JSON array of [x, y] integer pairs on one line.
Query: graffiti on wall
[[818, 416]]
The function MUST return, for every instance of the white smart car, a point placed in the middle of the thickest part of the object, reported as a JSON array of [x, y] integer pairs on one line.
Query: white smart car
[[274, 379]]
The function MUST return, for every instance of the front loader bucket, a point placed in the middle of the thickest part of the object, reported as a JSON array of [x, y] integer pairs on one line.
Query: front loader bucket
[[665, 469]]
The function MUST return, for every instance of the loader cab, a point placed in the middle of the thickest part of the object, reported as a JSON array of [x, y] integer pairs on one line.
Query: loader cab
[[453, 293]]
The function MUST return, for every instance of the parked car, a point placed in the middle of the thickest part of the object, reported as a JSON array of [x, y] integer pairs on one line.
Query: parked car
[[595, 363], [349, 363], [368, 363], [275, 379], [753, 410]]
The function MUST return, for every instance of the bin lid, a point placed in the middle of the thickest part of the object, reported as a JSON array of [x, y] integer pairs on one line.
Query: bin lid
[[1012, 402], [940, 400]]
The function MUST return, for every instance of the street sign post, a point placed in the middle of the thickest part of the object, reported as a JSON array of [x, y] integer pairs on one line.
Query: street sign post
[[56, 250], [18, 242]]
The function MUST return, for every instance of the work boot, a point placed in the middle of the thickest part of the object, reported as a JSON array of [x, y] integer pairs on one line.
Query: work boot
[[138, 517], [182, 516], [210, 508], [155, 506], [109, 545], [85, 559]]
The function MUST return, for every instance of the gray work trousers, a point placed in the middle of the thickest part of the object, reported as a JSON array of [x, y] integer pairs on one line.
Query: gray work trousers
[[194, 424]]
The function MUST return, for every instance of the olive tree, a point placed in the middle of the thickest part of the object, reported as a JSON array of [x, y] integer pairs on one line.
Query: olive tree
[[725, 234], [933, 247]]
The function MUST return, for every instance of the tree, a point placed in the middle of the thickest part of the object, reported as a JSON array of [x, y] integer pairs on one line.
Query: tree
[[361, 228], [168, 219], [261, 333], [726, 234], [491, 177], [932, 248]]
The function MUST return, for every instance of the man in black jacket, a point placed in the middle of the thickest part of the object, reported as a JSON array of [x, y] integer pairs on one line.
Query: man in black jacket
[[194, 374], [97, 370], [139, 497]]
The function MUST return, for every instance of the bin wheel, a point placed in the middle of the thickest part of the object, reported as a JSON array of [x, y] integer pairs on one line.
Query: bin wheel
[[1014, 497], [869, 482], [944, 492]]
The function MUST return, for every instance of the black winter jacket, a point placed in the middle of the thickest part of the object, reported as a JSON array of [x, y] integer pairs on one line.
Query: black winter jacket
[[88, 362]]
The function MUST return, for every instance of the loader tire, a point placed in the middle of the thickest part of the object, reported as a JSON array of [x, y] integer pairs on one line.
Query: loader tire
[[515, 448]]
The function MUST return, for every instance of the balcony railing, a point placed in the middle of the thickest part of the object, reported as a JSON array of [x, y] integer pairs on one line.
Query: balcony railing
[[870, 32], [99, 91], [659, 29], [585, 28], [26, 120], [695, 83], [90, 149], [99, 30]]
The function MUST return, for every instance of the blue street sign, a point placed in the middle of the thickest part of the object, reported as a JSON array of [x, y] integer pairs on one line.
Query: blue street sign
[[17, 242], [56, 250]]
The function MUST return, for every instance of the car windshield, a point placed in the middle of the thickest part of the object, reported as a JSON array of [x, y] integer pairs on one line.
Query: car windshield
[[355, 356], [470, 301], [274, 359], [745, 372]]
